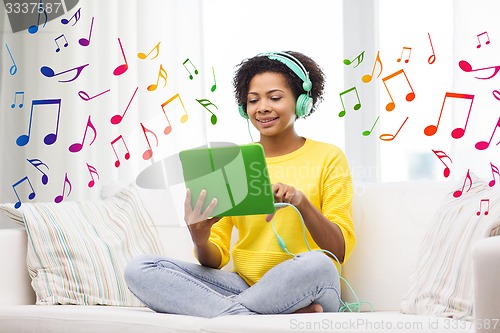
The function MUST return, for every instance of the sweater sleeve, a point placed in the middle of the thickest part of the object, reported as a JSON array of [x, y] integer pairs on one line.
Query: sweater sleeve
[[220, 236]]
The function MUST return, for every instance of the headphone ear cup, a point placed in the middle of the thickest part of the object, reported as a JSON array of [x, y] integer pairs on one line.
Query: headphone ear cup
[[303, 106], [242, 111]]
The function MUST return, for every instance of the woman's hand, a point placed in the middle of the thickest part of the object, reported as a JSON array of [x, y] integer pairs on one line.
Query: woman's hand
[[285, 194], [199, 223]]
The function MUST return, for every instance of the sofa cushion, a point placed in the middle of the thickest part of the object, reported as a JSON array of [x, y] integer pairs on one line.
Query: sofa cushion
[[77, 251]]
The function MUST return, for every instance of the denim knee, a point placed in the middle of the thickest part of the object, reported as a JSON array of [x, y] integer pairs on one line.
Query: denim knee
[[319, 265], [133, 269]]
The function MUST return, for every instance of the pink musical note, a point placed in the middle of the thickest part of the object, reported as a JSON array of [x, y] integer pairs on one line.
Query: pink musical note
[[49, 72], [161, 73], [75, 16], [126, 155], [33, 29], [117, 118], [409, 97], [390, 137], [50, 138], [184, 117], [458, 132], [359, 59], [76, 147], [466, 67], [123, 67], [195, 70], [65, 42], [86, 41], [479, 39], [487, 210], [31, 196], [441, 154], [482, 145], [496, 94], [367, 78], [356, 106], [405, 48], [432, 57], [92, 171], [21, 93], [149, 152], [60, 197], [141, 55], [458, 193], [368, 132], [494, 170], [206, 103], [83, 95], [37, 163]]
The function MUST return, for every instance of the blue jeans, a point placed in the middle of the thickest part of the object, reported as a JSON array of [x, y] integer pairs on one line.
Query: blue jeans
[[173, 286]]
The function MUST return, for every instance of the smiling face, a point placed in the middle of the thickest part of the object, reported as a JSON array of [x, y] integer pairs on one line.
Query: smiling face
[[271, 104]]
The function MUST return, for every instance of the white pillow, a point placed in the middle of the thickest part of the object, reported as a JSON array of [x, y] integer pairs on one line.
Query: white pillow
[[442, 282], [77, 251]]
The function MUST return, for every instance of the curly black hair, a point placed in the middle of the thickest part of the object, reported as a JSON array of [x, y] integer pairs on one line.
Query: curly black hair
[[250, 67]]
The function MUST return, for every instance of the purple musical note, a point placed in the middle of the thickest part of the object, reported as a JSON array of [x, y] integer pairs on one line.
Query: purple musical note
[[49, 72], [37, 163], [31, 196]]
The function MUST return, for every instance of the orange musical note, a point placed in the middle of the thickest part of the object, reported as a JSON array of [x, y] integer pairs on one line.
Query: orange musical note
[[457, 132], [83, 95], [21, 93], [482, 145], [366, 133], [467, 67], [367, 78], [75, 16], [126, 155], [149, 152], [13, 68], [409, 97], [458, 193], [356, 106], [206, 103], [60, 197], [34, 28], [31, 196], [76, 147], [141, 55], [405, 48], [359, 59], [65, 42], [195, 70], [161, 73], [50, 138], [479, 40], [441, 154], [86, 41], [37, 163], [117, 118], [92, 171], [432, 57], [123, 67], [487, 210], [49, 72], [184, 117], [214, 86], [390, 137], [494, 169]]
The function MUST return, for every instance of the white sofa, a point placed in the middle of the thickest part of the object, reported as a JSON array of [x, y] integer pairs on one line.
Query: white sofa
[[390, 219]]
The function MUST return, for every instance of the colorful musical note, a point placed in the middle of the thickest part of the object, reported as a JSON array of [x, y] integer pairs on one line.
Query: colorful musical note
[[368, 132], [149, 152], [432, 57], [184, 117], [368, 77], [33, 29], [356, 106], [76, 147], [92, 171], [13, 68], [50, 138], [123, 67], [479, 39], [206, 103], [496, 94], [161, 73], [195, 70], [37, 163], [83, 95], [487, 210], [57, 43], [21, 93], [86, 41], [409, 97], [75, 16], [141, 55], [405, 48], [60, 197], [467, 67], [31, 196], [441, 154], [359, 59], [458, 193], [494, 170], [482, 145], [458, 132], [390, 137], [126, 155], [214, 86], [117, 118], [49, 72]]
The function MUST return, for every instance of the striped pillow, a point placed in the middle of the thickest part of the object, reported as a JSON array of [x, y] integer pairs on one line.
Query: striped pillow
[[442, 282], [77, 251]]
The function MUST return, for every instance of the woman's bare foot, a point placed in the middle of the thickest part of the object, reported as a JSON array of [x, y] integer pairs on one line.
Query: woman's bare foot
[[310, 308]]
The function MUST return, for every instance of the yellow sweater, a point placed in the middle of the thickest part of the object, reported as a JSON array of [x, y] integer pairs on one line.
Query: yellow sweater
[[320, 170]]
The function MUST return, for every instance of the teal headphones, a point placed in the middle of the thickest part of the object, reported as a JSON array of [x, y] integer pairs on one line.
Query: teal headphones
[[304, 102]]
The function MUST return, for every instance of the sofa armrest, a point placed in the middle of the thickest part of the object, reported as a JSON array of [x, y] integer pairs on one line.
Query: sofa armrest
[[15, 283], [486, 285]]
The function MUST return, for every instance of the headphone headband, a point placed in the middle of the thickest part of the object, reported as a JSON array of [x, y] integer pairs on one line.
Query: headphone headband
[[294, 64]]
